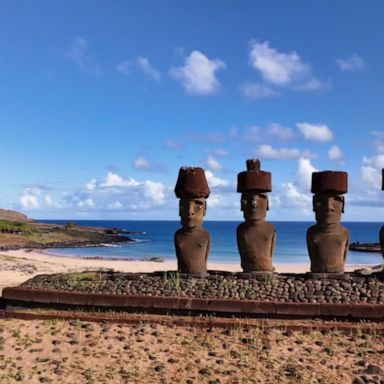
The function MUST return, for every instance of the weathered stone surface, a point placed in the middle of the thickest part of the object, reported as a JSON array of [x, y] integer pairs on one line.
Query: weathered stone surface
[[255, 237], [327, 240], [192, 241]]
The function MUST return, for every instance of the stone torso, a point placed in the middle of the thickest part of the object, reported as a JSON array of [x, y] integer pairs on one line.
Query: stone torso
[[327, 248], [255, 244], [192, 248]]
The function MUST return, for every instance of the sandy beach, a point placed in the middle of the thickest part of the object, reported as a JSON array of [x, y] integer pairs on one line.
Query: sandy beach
[[21, 265], [57, 351], [68, 351]]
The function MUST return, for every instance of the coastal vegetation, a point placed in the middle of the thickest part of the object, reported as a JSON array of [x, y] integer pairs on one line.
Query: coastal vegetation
[[16, 227], [18, 231]]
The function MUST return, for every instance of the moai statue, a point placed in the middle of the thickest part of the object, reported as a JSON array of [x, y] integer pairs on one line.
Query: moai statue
[[327, 240], [255, 237], [192, 241], [381, 234]]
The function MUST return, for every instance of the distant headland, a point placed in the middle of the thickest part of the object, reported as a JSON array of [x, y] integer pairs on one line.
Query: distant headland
[[18, 231]]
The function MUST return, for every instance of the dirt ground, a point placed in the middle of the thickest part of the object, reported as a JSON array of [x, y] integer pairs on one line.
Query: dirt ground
[[72, 351]]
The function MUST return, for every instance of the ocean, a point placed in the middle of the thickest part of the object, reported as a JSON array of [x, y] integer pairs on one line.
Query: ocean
[[155, 239]]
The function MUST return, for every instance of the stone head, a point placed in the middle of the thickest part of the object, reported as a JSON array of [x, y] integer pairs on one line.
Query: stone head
[[254, 185], [192, 211], [328, 208], [254, 205], [328, 201], [192, 190]]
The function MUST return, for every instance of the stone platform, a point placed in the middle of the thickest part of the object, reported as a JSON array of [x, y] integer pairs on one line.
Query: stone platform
[[348, 295]]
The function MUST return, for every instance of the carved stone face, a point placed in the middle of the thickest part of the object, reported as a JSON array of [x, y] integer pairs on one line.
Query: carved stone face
[[328, 208], [254, 205], [191, 212]]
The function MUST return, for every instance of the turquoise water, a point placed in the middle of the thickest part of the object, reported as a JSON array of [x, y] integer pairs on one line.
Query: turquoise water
[[157, 240]]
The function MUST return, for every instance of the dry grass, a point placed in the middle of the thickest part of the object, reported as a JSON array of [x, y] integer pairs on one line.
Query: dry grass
[[56, 351]]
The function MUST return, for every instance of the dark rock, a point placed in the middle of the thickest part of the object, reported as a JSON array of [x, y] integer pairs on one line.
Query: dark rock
[[374, 370], [205, 371]]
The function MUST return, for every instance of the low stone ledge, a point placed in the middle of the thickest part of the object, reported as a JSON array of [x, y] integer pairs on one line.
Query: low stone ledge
[[368, 311], [337, 310], [297, 309], [25, 296]]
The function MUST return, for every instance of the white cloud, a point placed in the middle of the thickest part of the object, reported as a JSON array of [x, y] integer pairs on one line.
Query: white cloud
[[220, 152], [371, 176], [351, 64], [335, 153], [252, 133], [155, 191], [86, 203], [258, 91], [115, 205], [282, 69], [215, 181], [116, 193], [124, 67], [371, 170], [78, 52], [282, 133], [374, 161], [198, 75], [140, 163], [144, 65], [114, 180], [213, 164], [304, 173], [214, 201], [268, 152], [49, 202], [32, 198], [29, 201], [311, 85], [91, 185], [317, 132], [292, 197]]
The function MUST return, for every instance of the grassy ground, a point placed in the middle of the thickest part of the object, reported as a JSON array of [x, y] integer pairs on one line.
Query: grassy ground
[[57, 351], [14, 235]]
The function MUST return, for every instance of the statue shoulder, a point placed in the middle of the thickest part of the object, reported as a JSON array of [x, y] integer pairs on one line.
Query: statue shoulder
[[270, 227], [241, 227], [344, 230], [203, 231], [311, 229]]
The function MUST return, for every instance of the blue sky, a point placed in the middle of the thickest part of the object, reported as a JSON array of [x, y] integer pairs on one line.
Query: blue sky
[[101, 102]]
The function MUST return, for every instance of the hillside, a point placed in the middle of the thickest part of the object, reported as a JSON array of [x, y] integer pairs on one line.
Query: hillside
[[18, 231], [6, 214]]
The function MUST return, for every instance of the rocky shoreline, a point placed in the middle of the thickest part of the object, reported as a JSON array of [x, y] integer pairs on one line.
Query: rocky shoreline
[[300, 288], [365, 247], [108, 239]]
